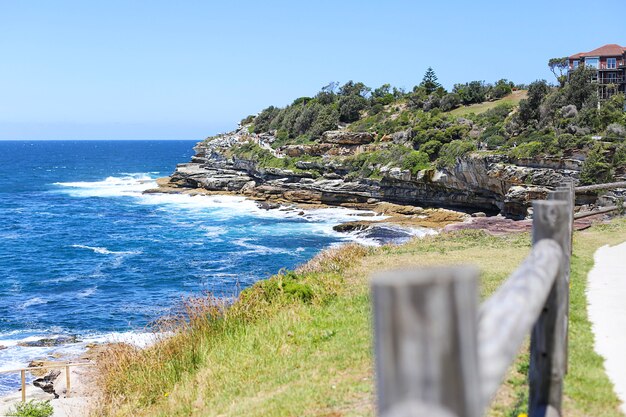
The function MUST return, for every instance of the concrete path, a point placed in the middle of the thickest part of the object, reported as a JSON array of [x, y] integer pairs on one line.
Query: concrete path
[[606, 295]]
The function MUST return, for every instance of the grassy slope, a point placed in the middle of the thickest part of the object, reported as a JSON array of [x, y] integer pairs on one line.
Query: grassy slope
[[314, 358], [513, 98]]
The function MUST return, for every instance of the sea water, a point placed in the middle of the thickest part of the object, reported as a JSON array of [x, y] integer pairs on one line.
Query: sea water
[[84, 253]]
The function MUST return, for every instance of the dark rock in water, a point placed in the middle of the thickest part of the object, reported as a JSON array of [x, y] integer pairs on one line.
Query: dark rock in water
[[2, 347], [50, 342], [380, 232], [46, 383], [266, 205], [351, 227], [387, 234]]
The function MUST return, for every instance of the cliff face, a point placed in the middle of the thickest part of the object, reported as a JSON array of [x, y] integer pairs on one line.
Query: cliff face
[[479, 181]]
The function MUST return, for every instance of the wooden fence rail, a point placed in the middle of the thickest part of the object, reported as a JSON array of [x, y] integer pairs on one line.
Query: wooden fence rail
[[607, 186], [68, 382], [438, 353]]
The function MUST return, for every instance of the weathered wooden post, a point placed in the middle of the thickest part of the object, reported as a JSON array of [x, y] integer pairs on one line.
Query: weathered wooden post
[[548, 346], [566, 193], [67, 382], [23, 382], [425, 340]]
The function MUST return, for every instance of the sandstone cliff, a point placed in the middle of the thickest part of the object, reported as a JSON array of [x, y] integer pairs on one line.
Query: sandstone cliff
[[479, 181]]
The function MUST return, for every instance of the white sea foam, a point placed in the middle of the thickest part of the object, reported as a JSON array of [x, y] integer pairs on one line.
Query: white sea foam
[[87, 292], [105, 251], [222, 207], [139, 339], [128, 185], [257, 249], [16, 356], [32, 302], [225, 207]]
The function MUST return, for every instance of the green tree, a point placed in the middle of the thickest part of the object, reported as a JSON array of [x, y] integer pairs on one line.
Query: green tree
[[529, 107], [580, 89], [429, 82], [559, 67], [354, 89], [350, 108], [472, 92]]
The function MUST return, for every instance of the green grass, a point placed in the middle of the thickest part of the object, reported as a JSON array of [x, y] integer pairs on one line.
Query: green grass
[[479, 108], [278, 352]]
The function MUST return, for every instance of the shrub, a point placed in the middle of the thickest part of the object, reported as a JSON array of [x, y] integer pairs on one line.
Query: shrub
[[596, 168], [527, 150], [263, 120], [33, 408], [416, 161], [472, 92], [616, 130], [501, 89], [495, 141], [450, 102], [431, 103], [569, 112], [567, 141], [450, 152], [619, 158], [300, 291], [247, 120], [431, 148]]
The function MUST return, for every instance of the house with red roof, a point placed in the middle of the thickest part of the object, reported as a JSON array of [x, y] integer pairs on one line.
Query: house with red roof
[[610, 64]]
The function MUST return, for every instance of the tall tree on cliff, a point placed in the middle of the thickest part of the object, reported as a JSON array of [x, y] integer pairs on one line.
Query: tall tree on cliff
[[559, 67], [429, 82]]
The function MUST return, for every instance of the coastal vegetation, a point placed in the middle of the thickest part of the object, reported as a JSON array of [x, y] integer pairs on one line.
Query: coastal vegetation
[[299, 343], [32, 408], [521, 121]]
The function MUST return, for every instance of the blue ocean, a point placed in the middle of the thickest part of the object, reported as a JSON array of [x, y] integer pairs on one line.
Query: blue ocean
[[84, 253]]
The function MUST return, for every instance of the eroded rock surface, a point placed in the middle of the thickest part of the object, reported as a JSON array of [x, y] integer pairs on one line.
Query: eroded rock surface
[[477, 182]]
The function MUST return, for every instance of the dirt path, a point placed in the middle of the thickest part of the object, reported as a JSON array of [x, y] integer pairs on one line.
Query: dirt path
[[606, 295]]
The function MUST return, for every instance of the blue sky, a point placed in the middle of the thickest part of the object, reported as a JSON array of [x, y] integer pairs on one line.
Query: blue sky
[[188, 69]]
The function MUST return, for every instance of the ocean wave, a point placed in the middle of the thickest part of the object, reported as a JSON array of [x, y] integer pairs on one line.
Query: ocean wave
[[32, 302], [127, 185], [87, 292], [258, 249], [105, 251]]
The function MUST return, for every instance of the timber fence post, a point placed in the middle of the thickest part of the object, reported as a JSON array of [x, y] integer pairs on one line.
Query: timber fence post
[[425, 323], [548, 346]]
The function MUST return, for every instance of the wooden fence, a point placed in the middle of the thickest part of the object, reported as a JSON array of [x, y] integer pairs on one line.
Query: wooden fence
[[67, 366], [441, 354]]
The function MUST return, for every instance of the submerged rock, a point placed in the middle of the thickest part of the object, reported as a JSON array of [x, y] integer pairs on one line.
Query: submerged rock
[[50, 342]]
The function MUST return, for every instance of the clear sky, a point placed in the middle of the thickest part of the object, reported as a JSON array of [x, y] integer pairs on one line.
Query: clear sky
[[188, 69]]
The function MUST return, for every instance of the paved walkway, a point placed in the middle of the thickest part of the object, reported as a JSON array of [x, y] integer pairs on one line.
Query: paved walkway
[[606, 295]]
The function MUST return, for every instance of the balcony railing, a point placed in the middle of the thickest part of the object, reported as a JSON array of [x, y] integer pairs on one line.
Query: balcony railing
[[618, 65], [616, 80]]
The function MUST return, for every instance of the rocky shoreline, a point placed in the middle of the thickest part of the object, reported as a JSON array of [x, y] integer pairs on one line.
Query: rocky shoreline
[[478, 182]]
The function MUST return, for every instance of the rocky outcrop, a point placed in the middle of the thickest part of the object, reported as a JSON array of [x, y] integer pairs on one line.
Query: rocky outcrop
[[477, 182], [340, 137], [48, 342]]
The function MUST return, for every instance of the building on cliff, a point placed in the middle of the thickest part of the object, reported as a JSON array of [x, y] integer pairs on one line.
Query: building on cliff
[[610, 64]]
